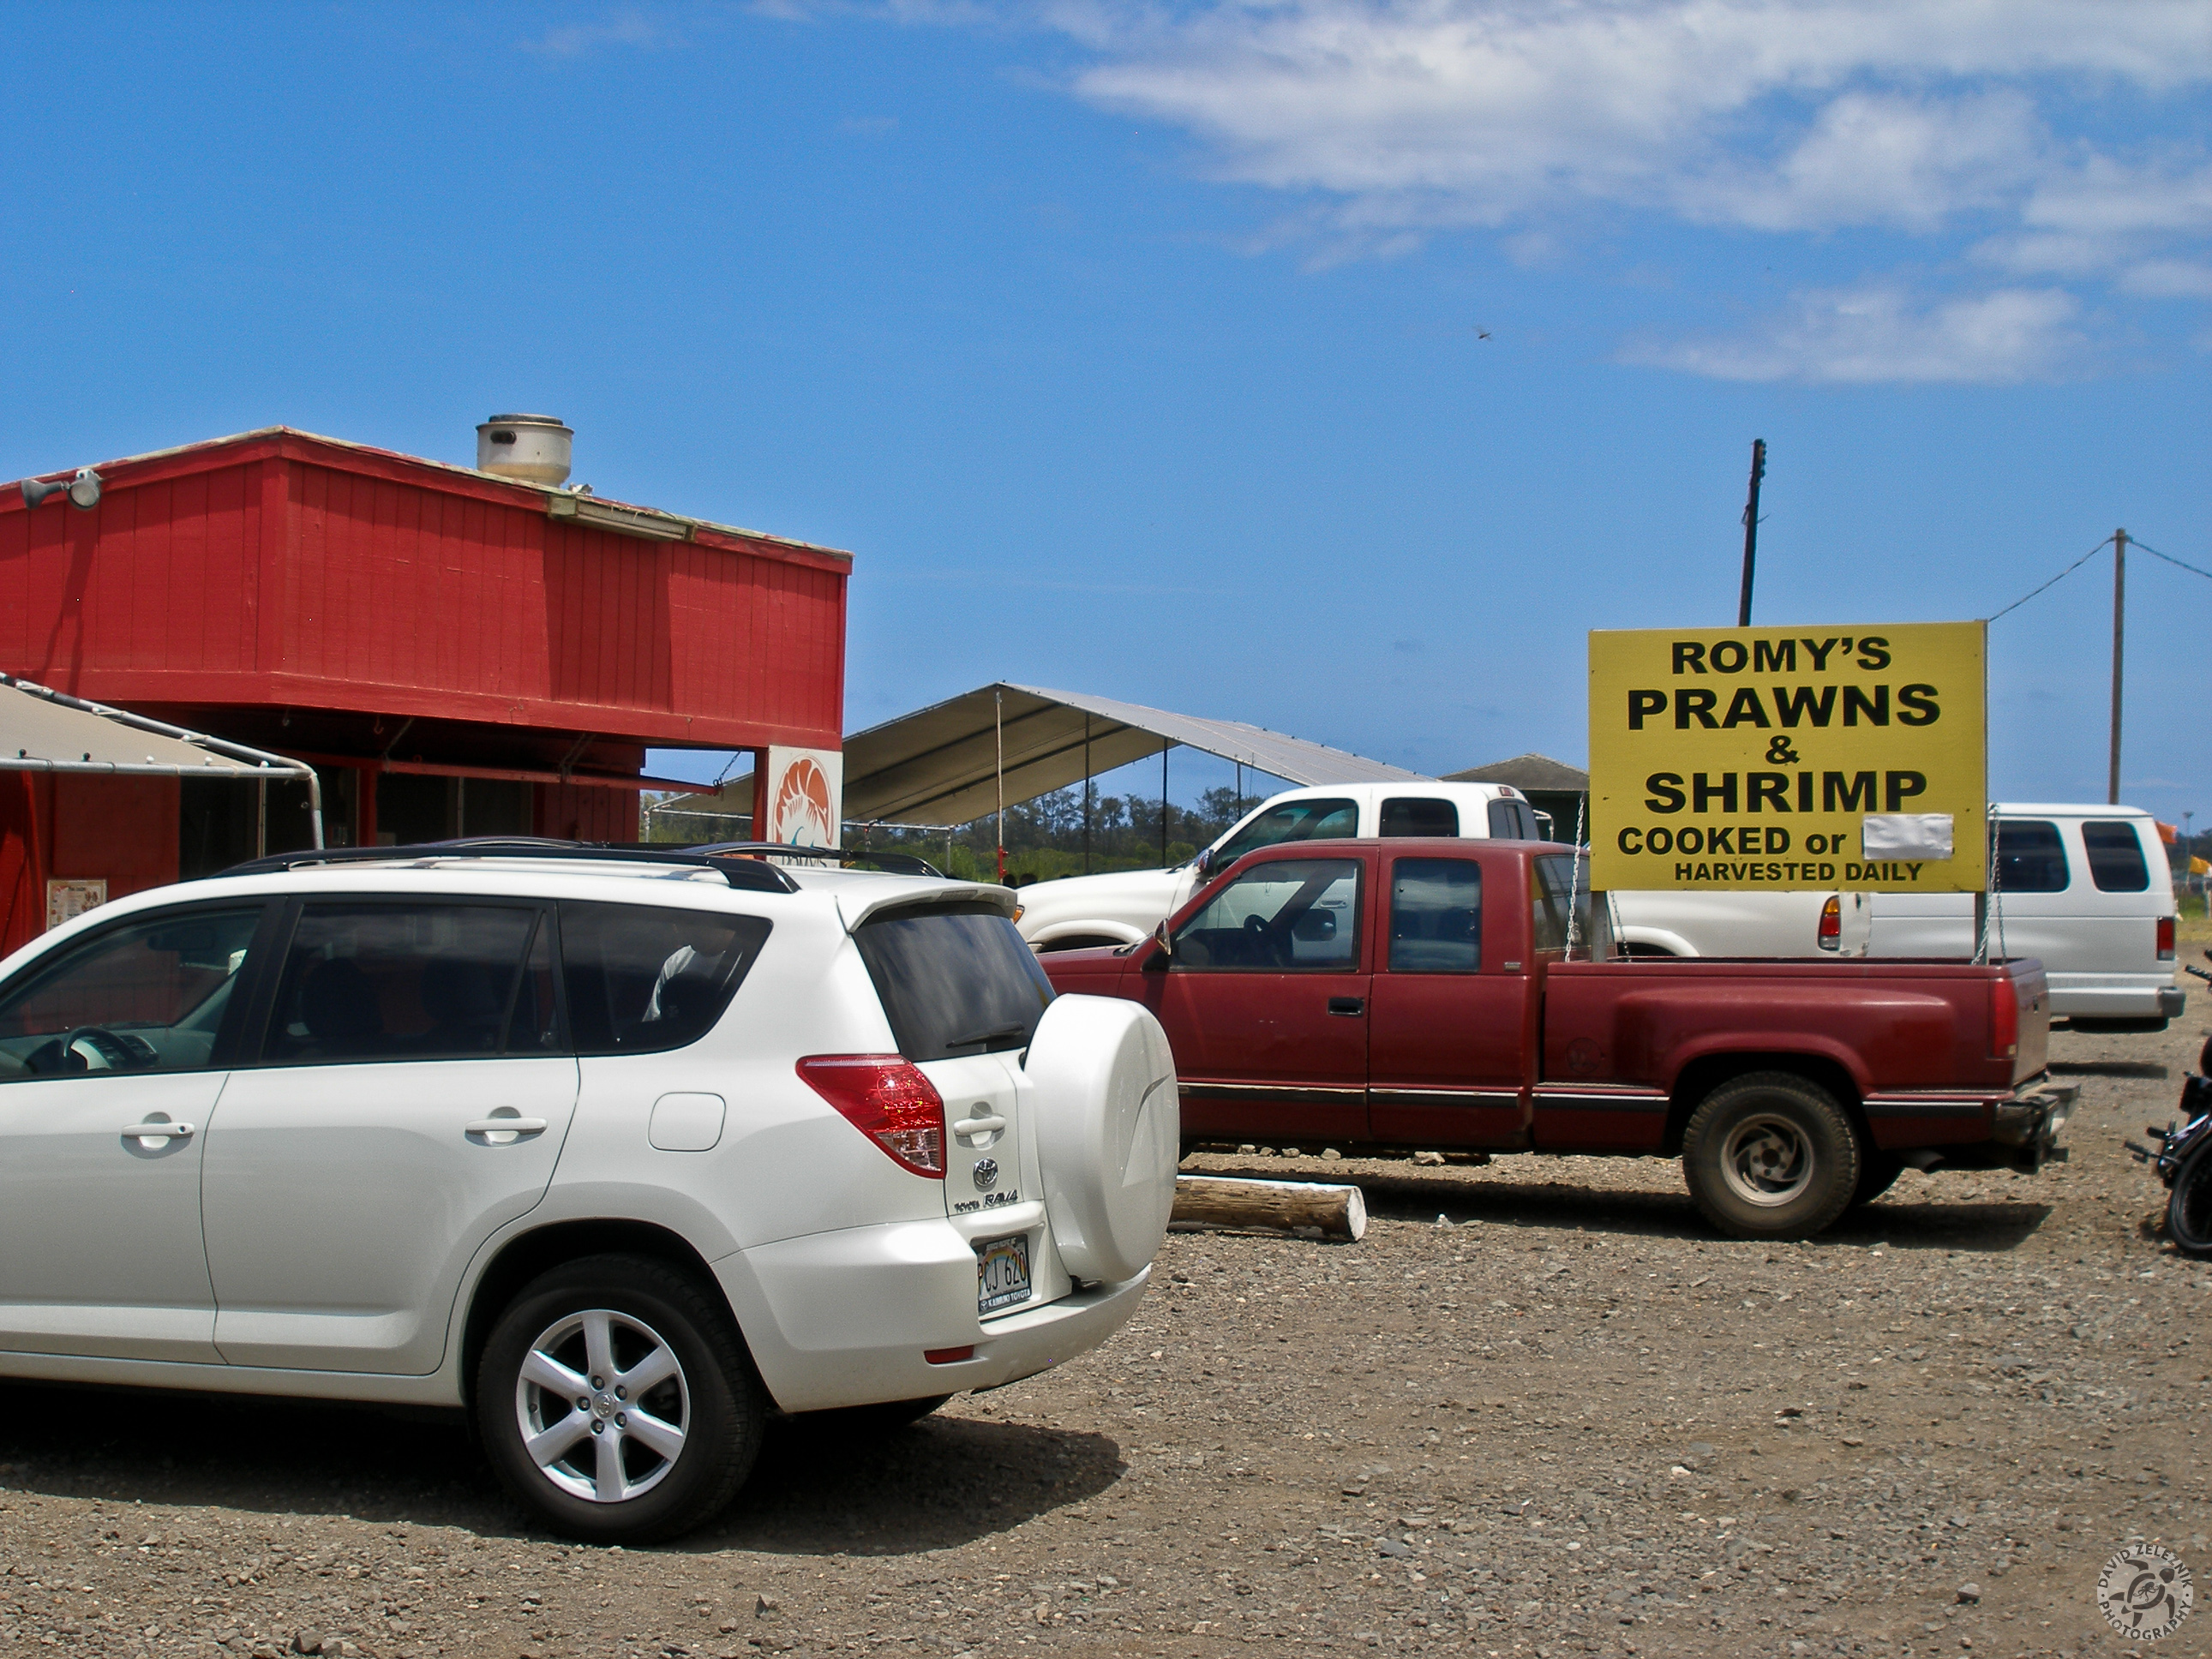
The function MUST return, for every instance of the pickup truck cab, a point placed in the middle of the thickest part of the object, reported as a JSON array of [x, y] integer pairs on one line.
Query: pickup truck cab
[[1420, 993], [1124, 906]]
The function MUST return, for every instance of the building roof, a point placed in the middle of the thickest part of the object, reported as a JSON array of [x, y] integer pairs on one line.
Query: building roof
[[940, 764], [1527, 772]]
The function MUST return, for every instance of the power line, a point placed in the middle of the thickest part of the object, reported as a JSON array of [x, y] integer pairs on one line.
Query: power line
[[2143, 547], [2068, 571]]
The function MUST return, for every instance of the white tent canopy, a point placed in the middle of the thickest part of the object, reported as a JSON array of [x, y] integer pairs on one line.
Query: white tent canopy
[[42, 730], [942, 764]]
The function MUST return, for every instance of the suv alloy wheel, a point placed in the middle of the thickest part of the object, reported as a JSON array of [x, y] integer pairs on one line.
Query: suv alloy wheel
[[616, 1401]]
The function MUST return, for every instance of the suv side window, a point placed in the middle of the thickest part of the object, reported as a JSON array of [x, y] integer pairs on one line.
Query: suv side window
[[1515, 820], [1435, 916], [367, 980], [148, 995], [1285, 914], [1294, 820], [642, 979], [2031, 857], [2116, 856], [1408, 815]]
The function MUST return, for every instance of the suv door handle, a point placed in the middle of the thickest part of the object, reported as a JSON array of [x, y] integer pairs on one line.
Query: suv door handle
[[978, 1129], [516, 1126], [1348, 1005], [159, 1131]]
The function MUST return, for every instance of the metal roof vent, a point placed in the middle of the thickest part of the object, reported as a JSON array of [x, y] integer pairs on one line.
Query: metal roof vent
[[534, 449]]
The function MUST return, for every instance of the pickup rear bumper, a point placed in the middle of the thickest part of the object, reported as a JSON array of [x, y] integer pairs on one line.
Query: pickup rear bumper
[[2029, 1124]]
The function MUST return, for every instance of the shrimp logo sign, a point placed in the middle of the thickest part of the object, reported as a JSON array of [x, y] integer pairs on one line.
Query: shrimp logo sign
[[1796, 758], [804, 787]]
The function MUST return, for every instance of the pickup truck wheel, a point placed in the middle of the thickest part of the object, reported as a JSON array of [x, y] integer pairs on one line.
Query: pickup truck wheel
[[616, 1400], [1770, 1155]]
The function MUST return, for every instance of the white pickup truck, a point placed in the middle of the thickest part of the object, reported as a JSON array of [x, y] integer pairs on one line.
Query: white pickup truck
[[1125, 905]]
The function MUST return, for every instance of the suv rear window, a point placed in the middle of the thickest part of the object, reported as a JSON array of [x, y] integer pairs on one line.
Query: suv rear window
[[2116, 856], [641, 978], [954, 979]]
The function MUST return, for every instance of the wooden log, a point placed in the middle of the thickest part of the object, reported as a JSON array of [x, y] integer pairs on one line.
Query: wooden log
[[1281, 1205]]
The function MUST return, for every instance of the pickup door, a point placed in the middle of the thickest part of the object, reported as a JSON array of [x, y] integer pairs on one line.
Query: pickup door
[[1264, 997], [1452, 1017]]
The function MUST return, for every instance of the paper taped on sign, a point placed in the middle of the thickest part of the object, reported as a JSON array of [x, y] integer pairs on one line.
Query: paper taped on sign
[[1906, 835]]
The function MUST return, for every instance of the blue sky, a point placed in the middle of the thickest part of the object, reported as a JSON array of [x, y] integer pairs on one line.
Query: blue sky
[[1332, 366]]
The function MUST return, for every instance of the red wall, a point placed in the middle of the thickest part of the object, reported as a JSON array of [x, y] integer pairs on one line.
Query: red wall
[[122, 830], [284, 570]]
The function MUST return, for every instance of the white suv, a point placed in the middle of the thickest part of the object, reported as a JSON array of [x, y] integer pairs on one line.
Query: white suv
[[620, 1151]]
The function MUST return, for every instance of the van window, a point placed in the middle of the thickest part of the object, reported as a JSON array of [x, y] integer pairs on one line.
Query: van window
[[1294, 820], [1409, 816], [1515, 820], [2116, 856], [642, 978], [2031, 857], [1435, 916], [954, 979]]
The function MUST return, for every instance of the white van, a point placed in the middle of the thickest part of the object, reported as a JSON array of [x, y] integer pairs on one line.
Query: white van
[[2087, 889]]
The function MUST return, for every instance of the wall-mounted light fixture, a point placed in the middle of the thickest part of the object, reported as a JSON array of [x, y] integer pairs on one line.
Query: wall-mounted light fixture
[[84, 490]]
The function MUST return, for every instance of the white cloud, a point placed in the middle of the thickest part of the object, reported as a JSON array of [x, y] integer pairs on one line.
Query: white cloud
[[1880, 334], [627, 28]]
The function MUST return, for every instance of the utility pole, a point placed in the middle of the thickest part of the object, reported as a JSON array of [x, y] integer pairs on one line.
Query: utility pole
[[2119, 619], [1751, 531]]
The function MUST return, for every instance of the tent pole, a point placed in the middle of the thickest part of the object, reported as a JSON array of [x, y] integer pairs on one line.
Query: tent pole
[[1086, 794], [1163, 803], [999, 728]]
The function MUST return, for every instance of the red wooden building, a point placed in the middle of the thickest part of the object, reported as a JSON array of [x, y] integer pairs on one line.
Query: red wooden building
[[455, 652]]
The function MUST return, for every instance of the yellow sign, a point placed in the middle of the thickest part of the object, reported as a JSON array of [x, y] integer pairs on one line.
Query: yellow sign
[[1850, 758]]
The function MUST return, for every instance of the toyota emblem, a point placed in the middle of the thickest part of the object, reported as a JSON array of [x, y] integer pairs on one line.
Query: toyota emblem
[[986, 1174]]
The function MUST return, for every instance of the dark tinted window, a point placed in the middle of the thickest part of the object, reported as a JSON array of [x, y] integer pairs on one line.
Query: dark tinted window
[[642, 979], [1294, 820], [954, 979], [2031, 857], [370, 982], [1411, 816], [1286, 913], [2116, 856], [146, 996], [1435, 916], [1515, 820]]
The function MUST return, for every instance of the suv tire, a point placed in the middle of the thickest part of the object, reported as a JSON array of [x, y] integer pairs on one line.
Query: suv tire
[[1770, 1155], [616, 1401]]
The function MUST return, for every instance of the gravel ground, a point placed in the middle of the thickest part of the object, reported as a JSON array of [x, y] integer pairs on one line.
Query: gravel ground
[[1541, 1410]]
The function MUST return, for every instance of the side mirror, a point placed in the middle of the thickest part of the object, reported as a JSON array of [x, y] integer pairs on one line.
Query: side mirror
[[1203, 862], [1157, 959]]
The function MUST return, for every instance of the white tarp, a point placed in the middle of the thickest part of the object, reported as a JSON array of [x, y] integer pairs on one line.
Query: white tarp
[[39, 736]]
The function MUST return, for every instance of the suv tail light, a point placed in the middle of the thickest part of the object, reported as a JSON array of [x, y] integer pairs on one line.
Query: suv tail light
[[2004, 1017], [2165, 938], [887, 1098], [1832, 924]]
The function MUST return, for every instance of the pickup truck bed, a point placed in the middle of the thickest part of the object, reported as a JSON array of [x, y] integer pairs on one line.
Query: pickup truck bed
[[1419, 993]]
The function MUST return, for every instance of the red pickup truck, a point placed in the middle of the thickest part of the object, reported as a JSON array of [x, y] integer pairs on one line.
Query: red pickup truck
[[1419, 993]]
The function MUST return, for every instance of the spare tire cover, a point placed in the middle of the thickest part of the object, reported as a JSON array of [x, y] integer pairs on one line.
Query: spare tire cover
[[1109, 1129]]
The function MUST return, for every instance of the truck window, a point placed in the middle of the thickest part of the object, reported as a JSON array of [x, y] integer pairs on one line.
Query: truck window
[[2116, 856], [2031, 857], [1435, 916], [1412, 815], [1293, 820], [1515, 820], [1554, 886], [1285, 914]]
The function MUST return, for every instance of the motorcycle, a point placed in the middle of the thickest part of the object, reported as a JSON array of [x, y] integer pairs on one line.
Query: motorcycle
[[2183, 1158]]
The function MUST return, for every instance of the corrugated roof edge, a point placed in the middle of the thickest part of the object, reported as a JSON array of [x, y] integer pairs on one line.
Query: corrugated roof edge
[[263, 432]]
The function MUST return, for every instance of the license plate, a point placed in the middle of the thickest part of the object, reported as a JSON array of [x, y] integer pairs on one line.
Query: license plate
[[1002, 1273]]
